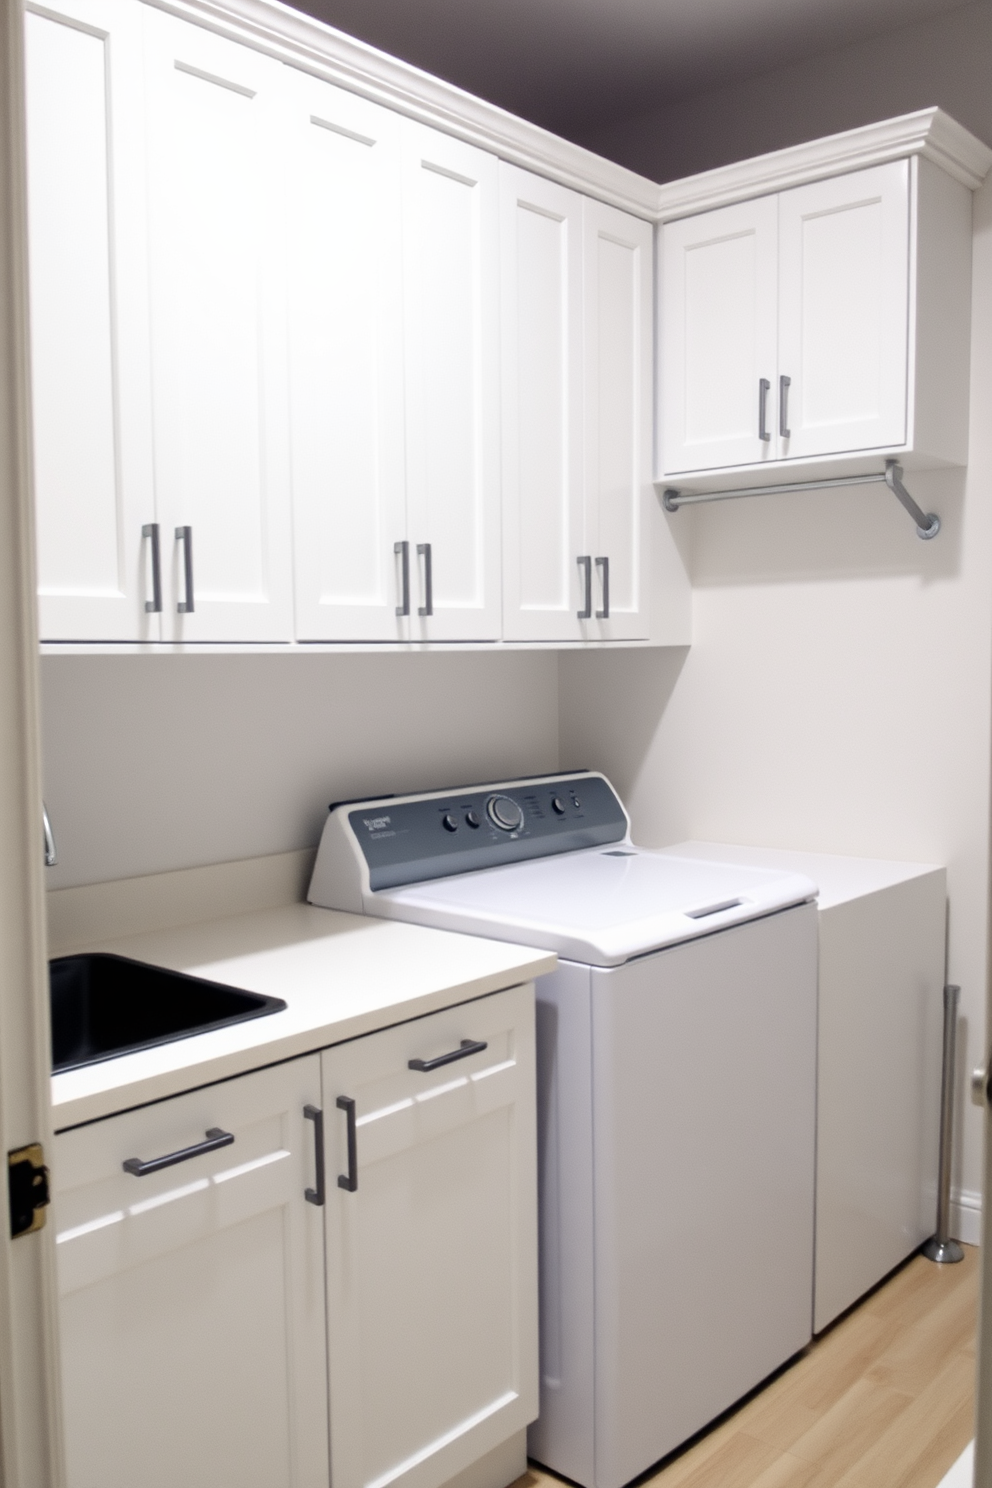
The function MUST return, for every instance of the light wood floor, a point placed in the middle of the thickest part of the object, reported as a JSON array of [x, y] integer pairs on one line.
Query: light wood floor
[[882, 1400]]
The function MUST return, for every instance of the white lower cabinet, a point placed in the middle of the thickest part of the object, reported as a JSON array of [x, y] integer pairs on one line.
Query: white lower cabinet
[[211, 1306], [192, 1297], [432, 1256]]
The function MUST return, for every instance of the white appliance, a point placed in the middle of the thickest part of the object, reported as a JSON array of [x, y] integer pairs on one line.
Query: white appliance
[[677, 1084]]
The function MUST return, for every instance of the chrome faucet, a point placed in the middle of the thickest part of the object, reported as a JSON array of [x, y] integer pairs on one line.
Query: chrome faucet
[[51, 856]]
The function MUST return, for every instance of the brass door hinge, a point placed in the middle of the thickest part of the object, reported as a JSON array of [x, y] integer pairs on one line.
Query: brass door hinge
[[27, 1188]]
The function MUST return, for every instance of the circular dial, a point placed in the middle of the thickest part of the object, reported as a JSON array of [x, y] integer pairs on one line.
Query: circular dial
[[504, 813]]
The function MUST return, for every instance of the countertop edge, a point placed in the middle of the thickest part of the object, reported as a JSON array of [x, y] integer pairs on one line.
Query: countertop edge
[[143, 1090]]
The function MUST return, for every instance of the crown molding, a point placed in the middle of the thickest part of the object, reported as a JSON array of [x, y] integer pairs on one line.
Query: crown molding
[[928, 132], [303, 42]]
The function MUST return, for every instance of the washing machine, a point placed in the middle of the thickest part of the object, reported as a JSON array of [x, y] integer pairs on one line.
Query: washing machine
[[676, 1093]]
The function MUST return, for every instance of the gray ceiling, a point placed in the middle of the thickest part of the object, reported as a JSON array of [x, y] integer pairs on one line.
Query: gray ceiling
[[569, 64]]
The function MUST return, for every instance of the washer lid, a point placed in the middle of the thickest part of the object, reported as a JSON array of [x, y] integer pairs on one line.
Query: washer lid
[[600, 906]]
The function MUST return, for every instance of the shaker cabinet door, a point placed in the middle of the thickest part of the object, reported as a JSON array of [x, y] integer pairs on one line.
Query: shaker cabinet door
[[542, 475], [719, 307], [843, 312], [617, 348], [451, 324], [431, 1243], [346, 364], [191, 1304], [218, 334], [89, 332]]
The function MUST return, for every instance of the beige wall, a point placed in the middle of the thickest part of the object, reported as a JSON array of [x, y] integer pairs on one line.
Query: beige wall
[[945, 61], [837, 693], [160, 762]]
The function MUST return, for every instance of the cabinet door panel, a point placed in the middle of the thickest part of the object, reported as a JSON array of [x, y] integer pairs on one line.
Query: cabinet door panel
[[218, 332], [617, 347], [192, 1300], [843, 318], [718, 336], [451, 289], [346, 363], [432, 1259], [541, 308], [90, 393]]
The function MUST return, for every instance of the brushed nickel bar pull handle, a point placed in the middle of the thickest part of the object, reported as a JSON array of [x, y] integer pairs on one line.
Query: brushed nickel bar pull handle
[[153, 606], [465, 1048], [604, 565], [585, 564], [764, 387], [401, 550], [185, 536], [784, 384], [214, 1138], [427, 608], [316, 1115], [349, 1180]]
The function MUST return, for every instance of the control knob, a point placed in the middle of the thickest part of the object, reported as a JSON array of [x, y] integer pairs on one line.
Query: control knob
[[504, 813]]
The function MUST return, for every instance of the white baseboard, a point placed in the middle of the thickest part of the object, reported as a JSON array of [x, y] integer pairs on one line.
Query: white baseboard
[[961, 1474], [966, 1216], [79, 916]]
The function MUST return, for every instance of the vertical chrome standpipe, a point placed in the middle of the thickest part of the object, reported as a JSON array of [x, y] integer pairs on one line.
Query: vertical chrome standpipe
[[940, 1247]]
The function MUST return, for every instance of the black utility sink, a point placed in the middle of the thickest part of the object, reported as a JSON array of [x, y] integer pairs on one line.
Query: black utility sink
[[105, 1005]]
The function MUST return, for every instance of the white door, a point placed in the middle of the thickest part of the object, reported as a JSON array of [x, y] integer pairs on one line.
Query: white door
[[94, 494], [432, 1255], [218, 335], [843, 312], [541, 311], [617, 350], [346, 365], [451, 295], [717, 333], [192, 1298]]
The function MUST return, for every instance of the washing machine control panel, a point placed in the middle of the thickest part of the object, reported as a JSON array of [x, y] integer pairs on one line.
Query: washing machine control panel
[[408, 839]]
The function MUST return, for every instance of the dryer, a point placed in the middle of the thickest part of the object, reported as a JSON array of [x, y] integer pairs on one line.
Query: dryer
[[676, 1099]]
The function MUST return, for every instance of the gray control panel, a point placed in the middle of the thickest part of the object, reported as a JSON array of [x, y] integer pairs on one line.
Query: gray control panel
[[407, 841]]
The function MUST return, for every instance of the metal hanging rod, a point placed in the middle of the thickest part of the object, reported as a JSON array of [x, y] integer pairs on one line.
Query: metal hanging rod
[[927, 524]]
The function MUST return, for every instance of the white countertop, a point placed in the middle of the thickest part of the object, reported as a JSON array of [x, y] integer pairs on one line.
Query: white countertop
[[838, 878], [341, 975]]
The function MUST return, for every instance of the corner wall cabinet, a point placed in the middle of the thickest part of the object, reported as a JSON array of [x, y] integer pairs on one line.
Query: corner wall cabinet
[[829, 322], [196, 1343], [267, 361]]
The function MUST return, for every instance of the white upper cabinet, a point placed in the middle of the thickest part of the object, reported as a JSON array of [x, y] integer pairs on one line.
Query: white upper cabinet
[[347, 446], [218, 337], [542, 471], [617, 353], [828, 322], [718, 335], [90, 378], [451, 324], [576, 311], [843, 267]]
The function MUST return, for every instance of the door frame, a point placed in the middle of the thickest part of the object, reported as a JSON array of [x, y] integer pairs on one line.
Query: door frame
[[30, 1417]]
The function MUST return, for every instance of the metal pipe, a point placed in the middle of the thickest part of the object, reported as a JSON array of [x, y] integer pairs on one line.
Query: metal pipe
[[940, 1247], [927, 524]]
